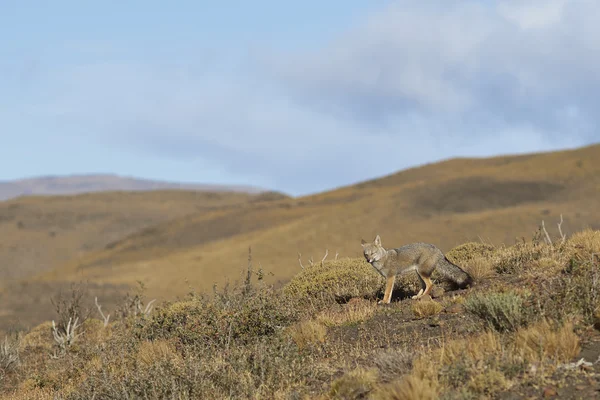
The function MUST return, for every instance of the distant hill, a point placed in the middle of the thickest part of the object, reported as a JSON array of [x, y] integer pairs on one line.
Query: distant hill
[[193, 243], [75, 184]]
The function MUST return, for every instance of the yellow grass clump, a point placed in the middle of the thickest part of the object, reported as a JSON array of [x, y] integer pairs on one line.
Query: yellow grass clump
[[338, 279]]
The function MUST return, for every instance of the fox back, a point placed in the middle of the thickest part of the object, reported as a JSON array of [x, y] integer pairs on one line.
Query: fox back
[[422, 257]]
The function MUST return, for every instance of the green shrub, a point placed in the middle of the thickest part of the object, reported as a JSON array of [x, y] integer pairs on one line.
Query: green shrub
[[336, 280], [501, 311], [469, 251]]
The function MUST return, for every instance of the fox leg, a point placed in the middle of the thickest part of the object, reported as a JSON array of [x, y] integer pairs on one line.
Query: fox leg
[[423, 287], [428, 285], [389, 286]]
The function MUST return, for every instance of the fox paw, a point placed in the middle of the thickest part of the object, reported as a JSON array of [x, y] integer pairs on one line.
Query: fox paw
[[382, 302]]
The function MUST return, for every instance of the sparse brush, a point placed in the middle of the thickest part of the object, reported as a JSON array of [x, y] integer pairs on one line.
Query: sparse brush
[[9, 354], [547, 341], [347, 314], [354, 385], [408, 388], [424, 308], [479, 268], [70, 307], [502, 311], [307, 333], [393, 363]]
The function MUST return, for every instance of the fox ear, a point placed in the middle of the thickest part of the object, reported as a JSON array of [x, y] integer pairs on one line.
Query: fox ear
[[378, 241], [362, 241]]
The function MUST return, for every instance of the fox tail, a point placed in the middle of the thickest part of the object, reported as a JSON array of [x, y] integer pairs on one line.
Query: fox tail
[[454, 273]]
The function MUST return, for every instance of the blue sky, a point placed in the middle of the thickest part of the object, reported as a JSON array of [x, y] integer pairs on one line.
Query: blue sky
[[297, 96]]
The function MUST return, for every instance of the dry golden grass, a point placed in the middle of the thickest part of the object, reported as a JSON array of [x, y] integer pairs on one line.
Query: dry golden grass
[[351, 313], [254, 341], [458, 362], [354, 385], [448, 203], [426, 308], [544, 341], [158, 351], [307, 333], [408, 388]]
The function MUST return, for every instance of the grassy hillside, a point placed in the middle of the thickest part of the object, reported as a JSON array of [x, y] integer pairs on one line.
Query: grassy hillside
[[41, 233], [527, 329], [75, 184], [495, 200]]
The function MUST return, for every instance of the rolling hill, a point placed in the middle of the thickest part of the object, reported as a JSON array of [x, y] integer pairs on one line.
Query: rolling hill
[[448, 203], [76, 184]]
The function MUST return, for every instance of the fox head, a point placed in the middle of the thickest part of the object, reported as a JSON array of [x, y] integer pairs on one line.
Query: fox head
[[373, 251]]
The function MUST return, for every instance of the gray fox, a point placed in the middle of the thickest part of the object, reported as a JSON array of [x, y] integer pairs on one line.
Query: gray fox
[[423, 258]]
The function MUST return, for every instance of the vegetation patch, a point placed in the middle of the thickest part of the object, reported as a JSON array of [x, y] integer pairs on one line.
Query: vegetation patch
[[337, 280]]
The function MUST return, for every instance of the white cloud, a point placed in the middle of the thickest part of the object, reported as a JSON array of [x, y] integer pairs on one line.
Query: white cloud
[[417, 82]]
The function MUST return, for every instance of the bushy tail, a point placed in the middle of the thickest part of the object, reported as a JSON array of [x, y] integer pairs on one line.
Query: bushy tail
[[454, 273]]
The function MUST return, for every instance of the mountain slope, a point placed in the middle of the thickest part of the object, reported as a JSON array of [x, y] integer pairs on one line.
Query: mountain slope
[[448, 203], [75, 184]]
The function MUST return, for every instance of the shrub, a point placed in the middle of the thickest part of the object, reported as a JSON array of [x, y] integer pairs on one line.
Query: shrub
[[337, 280], [465, 252], [501, 311], [307, 333], [354, 385]]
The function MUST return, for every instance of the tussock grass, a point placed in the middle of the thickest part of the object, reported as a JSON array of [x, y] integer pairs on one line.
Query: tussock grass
[[347, 314], [354, 385], [426, 308], [306, 333], [407, 388]]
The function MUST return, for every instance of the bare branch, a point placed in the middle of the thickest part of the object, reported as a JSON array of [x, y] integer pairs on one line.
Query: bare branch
[[149, 307], [324, 257], [311, 262], [65, 339], [546, 233], [104, 317], [300, 260], [562, 235], [336, 255]]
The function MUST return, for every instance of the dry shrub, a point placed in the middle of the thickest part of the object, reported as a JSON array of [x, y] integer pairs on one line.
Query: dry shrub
[[31, 394], [488, 382], [426, 308], [545, 266], [457, 365], [157, 352], [407, 388], [393, 362], [354, 385], [307, 333], [9, 354], [583, 244], [347, 314], [480, 268], [335, 280], [547, 341], [39, 338]]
